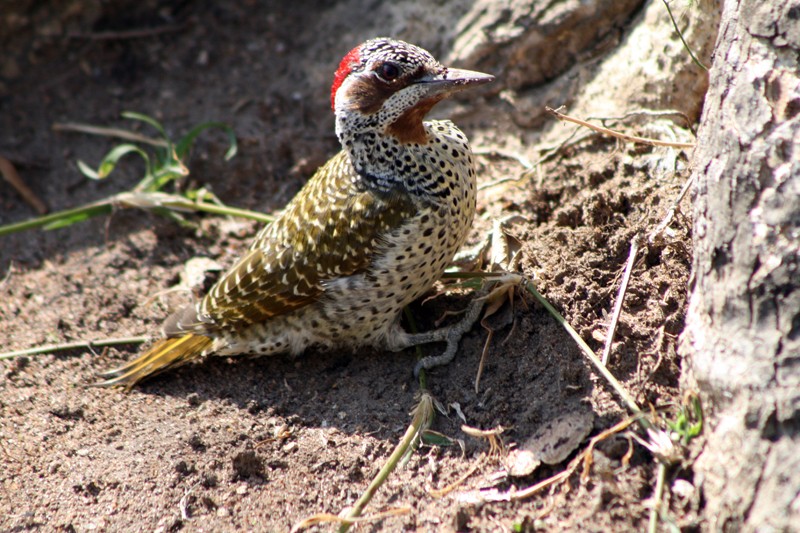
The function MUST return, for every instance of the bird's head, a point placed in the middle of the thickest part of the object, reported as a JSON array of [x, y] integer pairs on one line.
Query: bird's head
[[387, 87]]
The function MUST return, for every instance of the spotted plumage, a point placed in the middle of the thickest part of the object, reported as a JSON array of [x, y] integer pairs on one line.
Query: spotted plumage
[[371, 231]]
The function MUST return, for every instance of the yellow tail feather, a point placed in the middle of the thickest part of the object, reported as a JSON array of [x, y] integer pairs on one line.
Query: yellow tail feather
[[163, 355]]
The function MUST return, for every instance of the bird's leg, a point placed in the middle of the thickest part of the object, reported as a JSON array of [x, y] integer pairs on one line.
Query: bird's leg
[[495, 250], [450, 334]]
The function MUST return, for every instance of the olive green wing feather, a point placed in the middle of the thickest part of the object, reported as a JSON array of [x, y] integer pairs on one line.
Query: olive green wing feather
[[332, 228]]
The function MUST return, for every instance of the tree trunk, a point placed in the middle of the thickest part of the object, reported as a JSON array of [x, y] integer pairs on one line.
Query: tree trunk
[[742, 339]]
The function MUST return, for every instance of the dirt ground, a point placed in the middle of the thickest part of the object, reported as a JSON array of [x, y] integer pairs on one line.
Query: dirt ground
[[260, 444]]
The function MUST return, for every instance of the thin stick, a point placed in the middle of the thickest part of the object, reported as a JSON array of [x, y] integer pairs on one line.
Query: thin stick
[[623, 287], [645, 113], [652, 526], [680, 34], [440, 493], [325, 517], [672, 210], [12, 177], [612, 133], [484, 354], [109, 132], [632, 405], [74, 346], [501, 181]]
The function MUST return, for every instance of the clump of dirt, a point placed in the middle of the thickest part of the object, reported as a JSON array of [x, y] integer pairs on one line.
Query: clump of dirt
[[264, 443]]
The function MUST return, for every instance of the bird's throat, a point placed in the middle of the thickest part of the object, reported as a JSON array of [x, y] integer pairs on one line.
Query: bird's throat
[[408, 128]]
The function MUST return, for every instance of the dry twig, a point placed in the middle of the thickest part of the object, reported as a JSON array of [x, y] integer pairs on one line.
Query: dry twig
[[74, 346], [671, 212], [327, 517], [11, 175], [439, 493], [102, 131], [623, 287], [625, 137]]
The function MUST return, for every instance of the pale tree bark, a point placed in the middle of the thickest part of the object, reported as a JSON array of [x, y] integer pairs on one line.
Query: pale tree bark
[[742, 339]]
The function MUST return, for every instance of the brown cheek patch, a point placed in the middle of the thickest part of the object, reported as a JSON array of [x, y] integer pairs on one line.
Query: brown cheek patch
[[408, 127], [367, 96]]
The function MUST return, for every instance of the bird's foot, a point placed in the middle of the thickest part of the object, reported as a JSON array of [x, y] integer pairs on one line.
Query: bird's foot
[[497, 285], [452, 336]]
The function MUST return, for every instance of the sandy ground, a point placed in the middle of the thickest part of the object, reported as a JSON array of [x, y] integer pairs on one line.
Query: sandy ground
[[260, 444]]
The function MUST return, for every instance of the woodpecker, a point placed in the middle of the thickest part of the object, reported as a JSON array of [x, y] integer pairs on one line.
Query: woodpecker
[[369, 233]]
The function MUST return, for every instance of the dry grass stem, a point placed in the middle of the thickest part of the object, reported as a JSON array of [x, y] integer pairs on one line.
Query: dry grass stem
[[440, 493], [74, 346], [618, 135], [585, 458], [109, 132], [623, 287], [11, 175], [323, 518], [671, 211]]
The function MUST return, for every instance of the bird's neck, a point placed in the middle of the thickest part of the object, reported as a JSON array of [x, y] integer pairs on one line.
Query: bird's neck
[[387, 165], [380, 158]]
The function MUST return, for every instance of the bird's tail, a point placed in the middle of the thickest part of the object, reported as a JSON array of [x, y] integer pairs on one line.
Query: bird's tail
[[163, 355]]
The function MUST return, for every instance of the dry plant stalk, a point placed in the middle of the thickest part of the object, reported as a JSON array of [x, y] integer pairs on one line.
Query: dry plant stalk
[[612, 133], [11, 175]]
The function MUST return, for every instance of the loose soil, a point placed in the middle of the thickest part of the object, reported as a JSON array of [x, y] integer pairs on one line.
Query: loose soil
[[260, 444]]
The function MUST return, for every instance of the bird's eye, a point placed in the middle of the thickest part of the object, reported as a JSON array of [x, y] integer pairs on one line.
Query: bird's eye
[[388, 71]]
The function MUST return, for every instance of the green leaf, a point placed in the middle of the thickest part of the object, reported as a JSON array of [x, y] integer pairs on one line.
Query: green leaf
[[163, 165], [473, 284], [434, 438], [68, 221], [689, 421], [111, 159], [148, 120], [87, 171], [185, 144], [170, 171]]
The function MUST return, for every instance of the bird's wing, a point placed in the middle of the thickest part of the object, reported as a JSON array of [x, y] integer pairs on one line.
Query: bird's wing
[[331, 229]]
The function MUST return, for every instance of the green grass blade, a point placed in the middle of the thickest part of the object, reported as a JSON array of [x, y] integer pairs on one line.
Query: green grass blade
[[51, 348], [88, 171], [180, 203], [680, 34], [185, 144], [67, 220], [147, 120], [111, 159], [59, 219], [601, 368], [170, 171]]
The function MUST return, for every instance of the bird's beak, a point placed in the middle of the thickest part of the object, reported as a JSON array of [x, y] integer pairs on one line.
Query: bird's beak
[[451, 80]]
